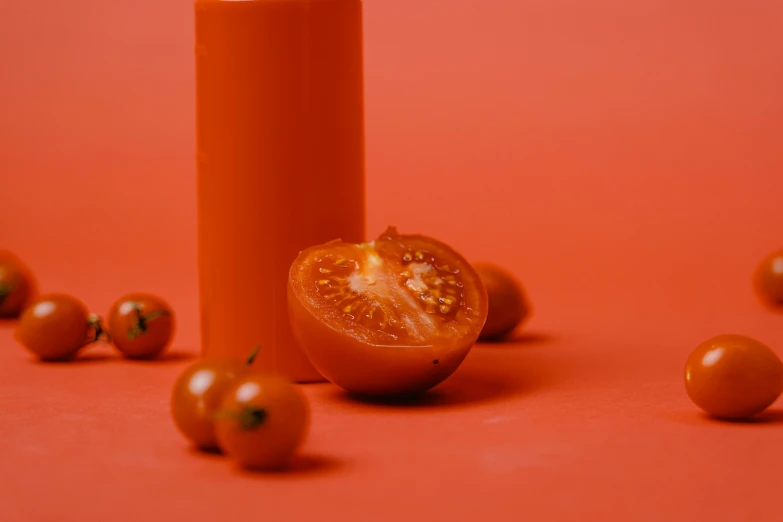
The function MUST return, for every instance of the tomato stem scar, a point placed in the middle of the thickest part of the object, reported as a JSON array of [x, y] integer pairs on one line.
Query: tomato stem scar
[[436, 361], [95, 322], [253, 355], [249, 417], [140, 326]]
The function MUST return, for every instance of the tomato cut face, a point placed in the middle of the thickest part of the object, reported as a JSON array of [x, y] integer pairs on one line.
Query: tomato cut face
[[401, 302]]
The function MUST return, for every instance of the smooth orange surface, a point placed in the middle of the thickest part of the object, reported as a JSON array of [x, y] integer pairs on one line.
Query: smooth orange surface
[[141, 326], [280, 153], [196, 396], [17, 287], [621, 158], [265, 420], [769, 280], [733, 376], [54, 327], [508, 306]]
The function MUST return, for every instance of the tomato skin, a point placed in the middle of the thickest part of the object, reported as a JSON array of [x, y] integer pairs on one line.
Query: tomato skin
[[197, 395], [508, 304], [733, 377], [54, 327], [140, 325], [17, 286], [768, 280], [372, 370], [279, 433], [365, 366]]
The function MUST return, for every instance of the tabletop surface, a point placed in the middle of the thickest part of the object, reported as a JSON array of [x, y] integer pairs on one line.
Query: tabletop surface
[[586, 421], [621, 158]]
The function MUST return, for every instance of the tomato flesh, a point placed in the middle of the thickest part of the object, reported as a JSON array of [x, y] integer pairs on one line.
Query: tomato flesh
[[393, 316]]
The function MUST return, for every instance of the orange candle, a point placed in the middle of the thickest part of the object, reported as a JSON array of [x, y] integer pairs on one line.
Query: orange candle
[[280, 154]]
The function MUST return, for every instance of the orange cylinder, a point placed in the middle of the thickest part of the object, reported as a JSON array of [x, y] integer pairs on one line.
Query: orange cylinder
[[280, 161]]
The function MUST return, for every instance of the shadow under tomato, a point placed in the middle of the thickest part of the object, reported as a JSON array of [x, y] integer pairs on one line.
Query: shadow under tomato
[[485, 376], [206, 453], [518, 339], [8, 322], [87, 358], [767, 418], [306, 464], [172, 357]]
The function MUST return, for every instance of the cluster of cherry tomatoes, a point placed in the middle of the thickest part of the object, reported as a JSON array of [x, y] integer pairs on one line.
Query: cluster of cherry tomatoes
[[257, 419], [392, 317], [57, 326], [426, 308]]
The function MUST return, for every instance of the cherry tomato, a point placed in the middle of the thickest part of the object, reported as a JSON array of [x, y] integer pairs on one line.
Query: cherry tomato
[[392, 317], [197, 394], [769, 280], [16, 285], [56, 327], [141, 325], [733, 376], [262, 421], [508, 305]]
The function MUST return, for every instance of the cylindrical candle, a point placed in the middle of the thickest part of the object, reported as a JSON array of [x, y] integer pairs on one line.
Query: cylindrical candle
[[280, 161]]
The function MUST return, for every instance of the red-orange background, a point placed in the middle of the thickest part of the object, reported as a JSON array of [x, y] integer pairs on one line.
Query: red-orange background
[[623, 158]]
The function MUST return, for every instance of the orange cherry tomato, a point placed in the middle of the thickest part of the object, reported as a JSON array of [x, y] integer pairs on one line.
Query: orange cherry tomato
[[16, 285], [262, 421], [733, 377], [56, 327], [769, 280], [392, 317], [508, 305], [140, 325], [197, 394]]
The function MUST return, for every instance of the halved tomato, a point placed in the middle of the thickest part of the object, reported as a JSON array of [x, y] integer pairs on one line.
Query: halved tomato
[[395, 316]]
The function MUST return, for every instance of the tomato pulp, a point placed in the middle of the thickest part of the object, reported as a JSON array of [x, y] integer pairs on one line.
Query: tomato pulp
[[395, 316]]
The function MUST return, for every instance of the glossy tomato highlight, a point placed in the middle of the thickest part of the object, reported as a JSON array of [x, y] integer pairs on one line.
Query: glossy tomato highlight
[[197, 394], [141, 325], [394, 316], [55, 327], [262, 421], [733, 376]]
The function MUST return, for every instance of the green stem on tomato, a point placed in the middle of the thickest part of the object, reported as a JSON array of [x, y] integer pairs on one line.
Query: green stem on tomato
[[99, 331], [253, 355], [249, 417], [140, 326], [154, 315]]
